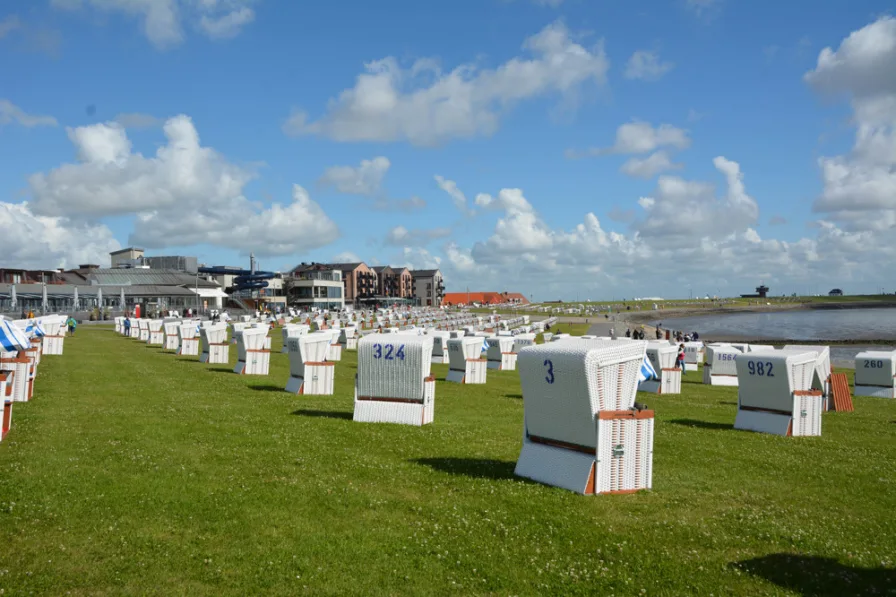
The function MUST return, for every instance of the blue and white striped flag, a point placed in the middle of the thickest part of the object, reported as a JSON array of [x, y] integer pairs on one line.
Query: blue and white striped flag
[[647, 371], [12, 339], [34, 329], [484, 345]]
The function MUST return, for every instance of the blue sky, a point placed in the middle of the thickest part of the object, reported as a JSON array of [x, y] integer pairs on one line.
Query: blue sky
[[717, 91]]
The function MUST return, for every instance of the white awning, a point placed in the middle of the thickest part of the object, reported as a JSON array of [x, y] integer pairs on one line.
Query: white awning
[[210, 292]]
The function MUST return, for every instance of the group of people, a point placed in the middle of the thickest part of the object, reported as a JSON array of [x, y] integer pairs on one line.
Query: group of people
[[638, 334]]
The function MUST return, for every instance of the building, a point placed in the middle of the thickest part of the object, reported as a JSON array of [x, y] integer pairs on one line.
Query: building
[[359, 282], [761, 292], [133, 257], [484, 298], [428, 287], [130, 257], [316, 286], [102, 288], [181, 263], [28, 276], [394, 282]]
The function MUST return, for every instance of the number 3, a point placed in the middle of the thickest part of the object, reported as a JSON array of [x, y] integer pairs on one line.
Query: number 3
[[377, 351], [550, 376]]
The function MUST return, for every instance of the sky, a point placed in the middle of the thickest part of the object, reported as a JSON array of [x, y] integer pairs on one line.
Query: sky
[[566, 149]]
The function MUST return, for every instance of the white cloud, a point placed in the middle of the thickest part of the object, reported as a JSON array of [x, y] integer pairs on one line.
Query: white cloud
[[366, 179], [9, 113], [640, 137], [41, 242], [647, 66], [688, 232], [279, 230], [426, 106], [457, 196], [417, 258], [682, 211], [137, 120], [228, 25], [401, 236], [346, 257], [860, 188], [162, 20], [186, 194], [650, 166]]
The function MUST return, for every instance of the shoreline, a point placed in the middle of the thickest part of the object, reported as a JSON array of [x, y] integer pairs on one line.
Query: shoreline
[[646, 317]]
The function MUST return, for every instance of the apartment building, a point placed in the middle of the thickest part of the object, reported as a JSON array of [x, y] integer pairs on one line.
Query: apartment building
[[428, 288], [316, 286]]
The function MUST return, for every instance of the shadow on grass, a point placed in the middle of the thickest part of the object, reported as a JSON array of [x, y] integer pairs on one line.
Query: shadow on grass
[[813, 575], [326, 414], [728, 402], [701, 424], [189, 360], [267, 388], [479, 468], [219, 370], [514, 396]]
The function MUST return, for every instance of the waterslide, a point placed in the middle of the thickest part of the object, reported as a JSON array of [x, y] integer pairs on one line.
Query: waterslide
[[245, 279]]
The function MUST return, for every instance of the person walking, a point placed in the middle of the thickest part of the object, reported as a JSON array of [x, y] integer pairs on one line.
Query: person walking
[[72, 324], [679, 363], [127, 326]]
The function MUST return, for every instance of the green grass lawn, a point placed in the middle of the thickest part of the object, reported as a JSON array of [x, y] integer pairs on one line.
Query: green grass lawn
[[136, 471]]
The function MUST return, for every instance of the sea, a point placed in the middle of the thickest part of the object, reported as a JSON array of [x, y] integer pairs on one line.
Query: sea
[[805, 326]]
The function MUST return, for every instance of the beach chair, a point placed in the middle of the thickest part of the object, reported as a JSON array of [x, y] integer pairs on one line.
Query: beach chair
[[309, 372], [393, 384], [776, 394], [582, 430], [662, 357], [720, 368], [465, 362], [252, 356], [215, 348], [876, 374]]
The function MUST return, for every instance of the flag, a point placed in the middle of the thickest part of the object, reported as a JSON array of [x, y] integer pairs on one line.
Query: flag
[[647, 371], [12, 339], [484, 345], [34, 329]]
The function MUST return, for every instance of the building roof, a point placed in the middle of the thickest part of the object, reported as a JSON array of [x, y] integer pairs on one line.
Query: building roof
[[73, 278], [381, 268], [110, 292], [424, 273], [127, 250], [483, 298], [155, 277], [344, 267]]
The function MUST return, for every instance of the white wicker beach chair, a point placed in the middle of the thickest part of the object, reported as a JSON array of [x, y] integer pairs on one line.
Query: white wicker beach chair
[[215, 348], [252, 356], [394, 384], [581, 429], [876, 374], [776, 394], [309, 372], [465, 362]]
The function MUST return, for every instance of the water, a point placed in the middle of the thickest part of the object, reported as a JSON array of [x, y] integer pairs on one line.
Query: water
[[828, 324]]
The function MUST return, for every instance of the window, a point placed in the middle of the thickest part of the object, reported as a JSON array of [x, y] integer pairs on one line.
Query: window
[[334, 292]]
